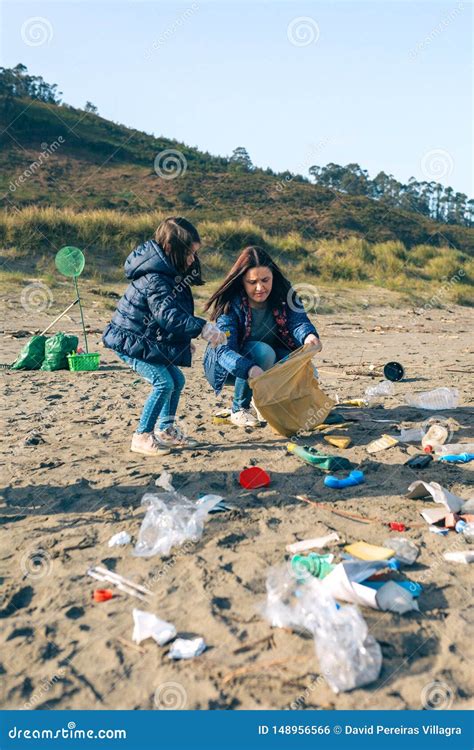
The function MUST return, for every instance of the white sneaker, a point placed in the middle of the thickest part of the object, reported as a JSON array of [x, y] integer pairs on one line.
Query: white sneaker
[[146, 444], [260, 416], [243, 418]]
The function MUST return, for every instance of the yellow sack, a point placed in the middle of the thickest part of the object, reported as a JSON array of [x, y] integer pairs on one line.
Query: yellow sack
[[288, 395]]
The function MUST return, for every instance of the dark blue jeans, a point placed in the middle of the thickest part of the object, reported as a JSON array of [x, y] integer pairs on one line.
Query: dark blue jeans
[[265, 357]]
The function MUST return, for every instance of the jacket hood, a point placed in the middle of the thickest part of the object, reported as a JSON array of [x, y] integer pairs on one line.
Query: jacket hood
[[148, 258]]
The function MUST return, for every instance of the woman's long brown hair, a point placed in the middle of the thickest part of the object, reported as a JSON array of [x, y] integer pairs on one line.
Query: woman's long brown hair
[[250, 257]]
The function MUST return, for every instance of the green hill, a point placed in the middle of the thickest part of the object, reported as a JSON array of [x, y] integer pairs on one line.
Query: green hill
[[56, 156]]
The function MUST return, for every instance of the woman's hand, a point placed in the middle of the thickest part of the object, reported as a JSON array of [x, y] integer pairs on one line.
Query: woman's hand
[[193, 347], [255, 371], [312, 340]]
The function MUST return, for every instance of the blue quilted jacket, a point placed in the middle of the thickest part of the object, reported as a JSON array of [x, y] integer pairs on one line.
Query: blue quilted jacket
[[154, 320]]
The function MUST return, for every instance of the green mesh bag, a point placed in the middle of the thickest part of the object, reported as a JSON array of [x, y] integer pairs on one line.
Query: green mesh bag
[[32, 355], [56, 350]]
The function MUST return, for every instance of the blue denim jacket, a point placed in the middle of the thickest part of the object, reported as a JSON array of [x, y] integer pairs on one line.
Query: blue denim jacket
[[293, 327]]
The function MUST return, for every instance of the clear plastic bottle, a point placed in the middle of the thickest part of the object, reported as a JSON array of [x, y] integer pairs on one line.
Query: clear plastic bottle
[[454, 449], [411, 434], [468, 532], [434, 437], [384, 388], [439, 398]]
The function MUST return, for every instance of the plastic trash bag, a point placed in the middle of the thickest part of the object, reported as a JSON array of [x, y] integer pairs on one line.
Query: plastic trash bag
[[147, 625], [288, 395], [171, 519], [187, 648], [56, 350], [348, 656], [32, 355]]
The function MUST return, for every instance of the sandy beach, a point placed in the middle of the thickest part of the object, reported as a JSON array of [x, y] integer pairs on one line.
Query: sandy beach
[[71, 482]]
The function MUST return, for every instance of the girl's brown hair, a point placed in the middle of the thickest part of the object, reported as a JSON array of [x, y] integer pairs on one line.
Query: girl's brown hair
[[176, 236], [250, 257]]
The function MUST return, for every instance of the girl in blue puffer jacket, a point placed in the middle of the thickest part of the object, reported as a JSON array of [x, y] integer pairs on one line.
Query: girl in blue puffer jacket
[[153, 325]]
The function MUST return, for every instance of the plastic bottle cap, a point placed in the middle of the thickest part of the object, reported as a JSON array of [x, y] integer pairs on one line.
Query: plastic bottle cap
[[428, 449], [102, 595]]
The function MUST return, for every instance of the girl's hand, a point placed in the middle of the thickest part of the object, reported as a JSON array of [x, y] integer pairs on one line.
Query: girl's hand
[[255, 371], [312, 340], [213, 335]]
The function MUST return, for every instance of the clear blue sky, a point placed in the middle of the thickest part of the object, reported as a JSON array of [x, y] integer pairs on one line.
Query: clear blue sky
[[384, 84]]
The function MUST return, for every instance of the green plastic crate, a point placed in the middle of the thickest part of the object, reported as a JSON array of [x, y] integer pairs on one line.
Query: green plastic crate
[[81, 362]]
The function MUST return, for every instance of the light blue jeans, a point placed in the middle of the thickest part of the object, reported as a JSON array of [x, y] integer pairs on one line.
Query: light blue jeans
[[265, 357], [162, 403]]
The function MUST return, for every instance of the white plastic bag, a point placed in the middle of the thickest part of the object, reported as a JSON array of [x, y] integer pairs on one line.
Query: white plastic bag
[[171, 519], [147, 625], [348, 656]]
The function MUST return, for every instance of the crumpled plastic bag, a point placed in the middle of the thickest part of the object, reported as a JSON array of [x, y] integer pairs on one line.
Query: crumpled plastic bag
[[147, 625], [171, 519], [348, 655], [32, 355], [187, 648]]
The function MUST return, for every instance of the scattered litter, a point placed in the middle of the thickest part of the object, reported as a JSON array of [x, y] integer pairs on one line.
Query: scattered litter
[[460, 557], [102, 595], [451, 520], [348, 656], [434, 515], [381, 444], [415, 589], [365, 551], [385, 388], [312, 564], [411, 435], [320, 460], [468, 533], [441, 530], [460, 526], [437, 399], [123, 584], [394, 598], [457, 458], [186, 648], [316, 543], [394, 371], [171, 519], [452, 449], [253, 478], [120, 539], [436, 436], [222, 417], [397, 526], [404, 550], [339, 442], [439, 494], [419, 462], [355, 477], [147, 625], [220, 505], [354, 402]]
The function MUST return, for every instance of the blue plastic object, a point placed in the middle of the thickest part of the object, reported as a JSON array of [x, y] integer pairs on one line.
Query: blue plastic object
[[354, 478], [393, 564], [460, 526], [458, 458]]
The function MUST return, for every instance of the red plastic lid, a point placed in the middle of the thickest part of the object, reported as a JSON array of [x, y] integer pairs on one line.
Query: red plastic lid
[[396, 526], [428, 449], [102, 595], [254, 477]]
